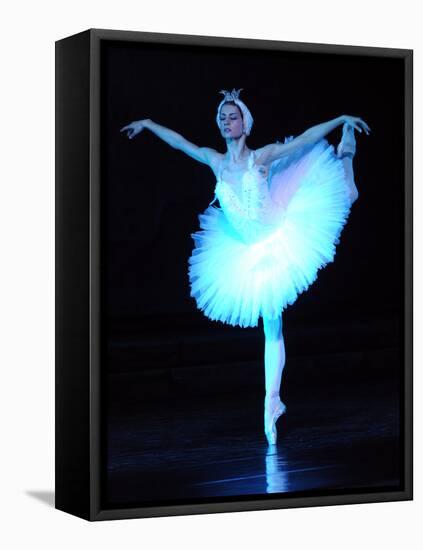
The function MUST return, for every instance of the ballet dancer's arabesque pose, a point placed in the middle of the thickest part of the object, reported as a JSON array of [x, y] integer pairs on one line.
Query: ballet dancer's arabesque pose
[[282, 209]]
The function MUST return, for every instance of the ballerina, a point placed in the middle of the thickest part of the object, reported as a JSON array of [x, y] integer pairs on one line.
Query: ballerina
[[282, 209]]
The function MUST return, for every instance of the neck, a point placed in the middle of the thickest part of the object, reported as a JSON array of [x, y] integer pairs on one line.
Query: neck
[[237, 149]]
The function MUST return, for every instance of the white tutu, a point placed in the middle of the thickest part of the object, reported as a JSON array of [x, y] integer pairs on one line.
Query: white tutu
[[235, 279]]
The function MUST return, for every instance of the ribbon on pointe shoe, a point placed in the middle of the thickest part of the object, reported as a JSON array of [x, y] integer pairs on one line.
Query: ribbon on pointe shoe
[[347, 145], [270, 419]]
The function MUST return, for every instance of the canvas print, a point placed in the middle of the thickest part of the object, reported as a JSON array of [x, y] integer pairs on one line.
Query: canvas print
[[251, 273]]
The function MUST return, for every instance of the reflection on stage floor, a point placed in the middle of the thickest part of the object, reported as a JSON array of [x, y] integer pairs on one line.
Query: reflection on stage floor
[[334, 436]]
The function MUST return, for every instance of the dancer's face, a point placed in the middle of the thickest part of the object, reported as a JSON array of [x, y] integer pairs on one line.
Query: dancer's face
[[231, 123]]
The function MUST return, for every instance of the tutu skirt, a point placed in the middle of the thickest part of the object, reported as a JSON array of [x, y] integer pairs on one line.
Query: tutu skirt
[[236, 282]]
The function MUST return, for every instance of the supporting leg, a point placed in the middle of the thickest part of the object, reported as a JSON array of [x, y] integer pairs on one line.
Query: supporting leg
[[274, 362], [274, 355]]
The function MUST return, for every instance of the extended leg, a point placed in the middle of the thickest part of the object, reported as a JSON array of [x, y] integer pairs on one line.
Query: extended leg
[[346, 152], [274, 362], [349, 173]]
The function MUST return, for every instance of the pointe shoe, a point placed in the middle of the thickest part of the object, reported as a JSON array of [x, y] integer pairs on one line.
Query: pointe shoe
[[270, 418], [347, 144]]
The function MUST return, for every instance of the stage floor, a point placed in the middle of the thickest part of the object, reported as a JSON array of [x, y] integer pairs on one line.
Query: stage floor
[[335, 437]]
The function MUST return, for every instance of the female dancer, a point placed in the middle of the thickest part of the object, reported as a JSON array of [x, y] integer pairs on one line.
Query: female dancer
[[283, 207]]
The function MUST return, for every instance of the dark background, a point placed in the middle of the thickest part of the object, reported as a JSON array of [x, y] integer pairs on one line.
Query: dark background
[[152, 193], [155, 343]]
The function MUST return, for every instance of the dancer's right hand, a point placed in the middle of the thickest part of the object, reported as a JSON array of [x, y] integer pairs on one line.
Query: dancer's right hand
[[134, 128]]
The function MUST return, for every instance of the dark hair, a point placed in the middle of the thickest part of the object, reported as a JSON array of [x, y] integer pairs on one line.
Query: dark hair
[[235, 105]]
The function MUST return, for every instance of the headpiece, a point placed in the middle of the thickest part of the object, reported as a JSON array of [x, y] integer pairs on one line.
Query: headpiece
[[246, 115]]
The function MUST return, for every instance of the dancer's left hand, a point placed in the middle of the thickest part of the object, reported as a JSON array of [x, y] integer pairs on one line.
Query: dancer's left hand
[[356, 123]]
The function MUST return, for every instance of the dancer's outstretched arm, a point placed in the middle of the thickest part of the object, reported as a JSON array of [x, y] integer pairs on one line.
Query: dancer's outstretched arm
[[205, 155], [274, 151]]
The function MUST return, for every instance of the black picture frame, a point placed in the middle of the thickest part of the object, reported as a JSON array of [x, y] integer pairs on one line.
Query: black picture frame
[[79, 298]]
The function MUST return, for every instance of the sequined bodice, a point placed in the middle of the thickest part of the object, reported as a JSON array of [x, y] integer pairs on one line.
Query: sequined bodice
[[249, 210]]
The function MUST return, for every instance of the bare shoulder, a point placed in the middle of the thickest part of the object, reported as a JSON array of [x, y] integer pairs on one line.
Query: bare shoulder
[[213, 158], [274, 151], [262, 155]]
